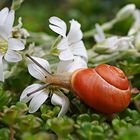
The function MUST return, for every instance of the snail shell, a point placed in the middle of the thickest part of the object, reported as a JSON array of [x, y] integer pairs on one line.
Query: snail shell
[[104, 88]]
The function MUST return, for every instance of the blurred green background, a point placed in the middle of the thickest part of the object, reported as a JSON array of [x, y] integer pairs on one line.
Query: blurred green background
[[81, 121], [35, 13]]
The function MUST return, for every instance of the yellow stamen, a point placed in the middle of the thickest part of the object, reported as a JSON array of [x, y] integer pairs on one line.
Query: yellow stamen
[[3, 46]]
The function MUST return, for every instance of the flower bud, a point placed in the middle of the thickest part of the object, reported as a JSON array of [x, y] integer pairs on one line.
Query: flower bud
[[136, 25], [137, 41], [125, 12]]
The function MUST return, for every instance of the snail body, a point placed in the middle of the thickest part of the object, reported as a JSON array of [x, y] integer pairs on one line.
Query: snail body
[[104, 88]]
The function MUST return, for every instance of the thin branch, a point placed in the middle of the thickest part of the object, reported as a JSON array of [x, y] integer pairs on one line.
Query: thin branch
[[1, 114], [11, 132]]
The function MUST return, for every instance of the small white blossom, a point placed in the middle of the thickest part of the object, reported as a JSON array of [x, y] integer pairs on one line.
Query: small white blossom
[[125, 11], [137, 41], [71, 44], [136, 25], [19, 31], [8, 45], [71, 65], [73, 53], [39, 97], [111, 43], [35, 50]]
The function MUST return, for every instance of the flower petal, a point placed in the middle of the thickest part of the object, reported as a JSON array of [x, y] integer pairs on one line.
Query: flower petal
[[3, 15], [62, 66], [125, 11], [37, 101], [75, 34], [29, 89], [100, 36], [110, 43], [63, 44], [36, 71], [12, 56], [58, 26], [9, 22], [79, 49], [1, 69], [136, 25], [15, 44], [3, 33], [60, 99], [137, 40], [66, 55], [70, 66]]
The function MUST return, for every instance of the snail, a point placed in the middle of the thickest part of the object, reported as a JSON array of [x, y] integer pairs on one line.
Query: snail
[[104, 88]]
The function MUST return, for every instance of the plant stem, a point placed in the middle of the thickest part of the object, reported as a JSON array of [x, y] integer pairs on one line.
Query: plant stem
[[11, 132], [106, 26], [1, 114]]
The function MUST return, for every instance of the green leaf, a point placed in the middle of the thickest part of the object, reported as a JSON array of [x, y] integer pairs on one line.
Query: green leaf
[[129, 134], [5, 98], [61, 126], [130, 67], [116, 124], [10, 116], [88, 131], [83, 118], [4, 134]]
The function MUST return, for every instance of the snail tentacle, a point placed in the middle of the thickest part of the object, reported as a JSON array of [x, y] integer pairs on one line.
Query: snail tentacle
[[40, 88]]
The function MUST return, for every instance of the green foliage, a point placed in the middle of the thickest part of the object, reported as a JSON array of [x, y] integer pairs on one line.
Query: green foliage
[[56, 124], [81, 122], [5, 98], [4, 134]]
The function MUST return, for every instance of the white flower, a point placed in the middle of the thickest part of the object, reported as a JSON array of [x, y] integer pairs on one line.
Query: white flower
[[41, 93], [136, 25], [73, 54], [137, 41], [111, 43], [125, 11], [8, 45], [100, 36], [71, 44], [36, 50], [71, 65], [19, 31]]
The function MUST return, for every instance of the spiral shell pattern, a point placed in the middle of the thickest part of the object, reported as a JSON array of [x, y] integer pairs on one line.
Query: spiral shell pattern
[[104, 88]]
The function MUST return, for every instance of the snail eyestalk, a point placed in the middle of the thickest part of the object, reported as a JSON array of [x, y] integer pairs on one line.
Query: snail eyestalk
[[61, 80], [42, 87], [38, 64]]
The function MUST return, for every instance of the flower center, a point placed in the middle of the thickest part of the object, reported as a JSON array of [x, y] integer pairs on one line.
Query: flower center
[[3, 46]]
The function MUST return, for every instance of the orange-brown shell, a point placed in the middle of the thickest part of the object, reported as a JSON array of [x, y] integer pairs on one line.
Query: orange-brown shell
[[104, 88]]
